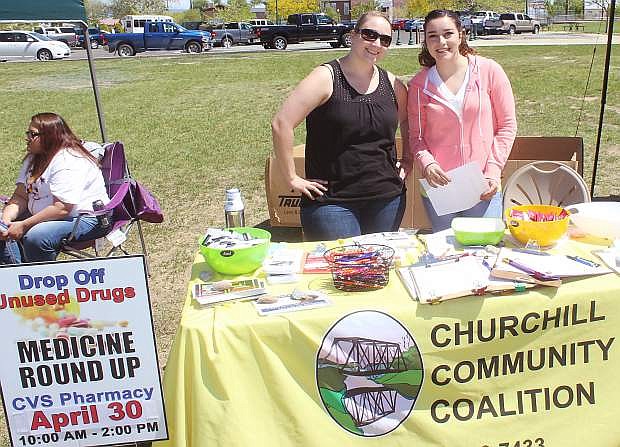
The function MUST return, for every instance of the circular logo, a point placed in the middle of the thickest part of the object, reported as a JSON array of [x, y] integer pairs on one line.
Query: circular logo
[[227, 253], [369, 373]]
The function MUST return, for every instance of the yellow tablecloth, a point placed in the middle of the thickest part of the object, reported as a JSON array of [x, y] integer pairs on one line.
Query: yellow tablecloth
[[537, 368]]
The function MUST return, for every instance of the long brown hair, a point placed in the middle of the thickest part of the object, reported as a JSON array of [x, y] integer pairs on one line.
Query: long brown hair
[[54, 135], [425, 58]]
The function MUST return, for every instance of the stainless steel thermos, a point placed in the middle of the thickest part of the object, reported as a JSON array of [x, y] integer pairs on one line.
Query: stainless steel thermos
[[103, 219], [234, 209]]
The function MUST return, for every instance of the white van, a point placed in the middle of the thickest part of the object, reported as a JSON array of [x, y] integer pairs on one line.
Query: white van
[[260, 22], [135, 24]]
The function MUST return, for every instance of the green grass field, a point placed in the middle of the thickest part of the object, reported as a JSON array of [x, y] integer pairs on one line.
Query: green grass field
[[194, 126], [597, 27]]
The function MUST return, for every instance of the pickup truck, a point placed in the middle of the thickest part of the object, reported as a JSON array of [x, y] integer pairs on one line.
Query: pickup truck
[[480, 18], [305, 27], [63, 34], [231, 33], [512, 23], [158, 36]]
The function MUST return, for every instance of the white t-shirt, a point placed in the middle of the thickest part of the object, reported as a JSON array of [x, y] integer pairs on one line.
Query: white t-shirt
[[70, 177], [455, 101]]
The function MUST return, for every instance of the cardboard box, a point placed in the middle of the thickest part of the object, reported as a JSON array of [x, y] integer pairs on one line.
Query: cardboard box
[[283, 204]]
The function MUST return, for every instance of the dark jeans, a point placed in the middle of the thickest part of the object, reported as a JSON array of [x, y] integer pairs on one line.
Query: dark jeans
[[325, 222], [42, 242]]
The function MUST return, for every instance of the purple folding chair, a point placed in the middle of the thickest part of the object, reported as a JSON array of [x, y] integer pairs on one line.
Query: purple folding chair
[[130, 203]]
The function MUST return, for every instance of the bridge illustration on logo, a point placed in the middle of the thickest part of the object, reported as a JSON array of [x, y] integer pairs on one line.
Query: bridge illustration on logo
[[369, 373]]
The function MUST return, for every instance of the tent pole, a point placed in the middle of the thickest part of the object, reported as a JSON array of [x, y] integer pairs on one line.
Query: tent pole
[[610, 33], [93, 78]]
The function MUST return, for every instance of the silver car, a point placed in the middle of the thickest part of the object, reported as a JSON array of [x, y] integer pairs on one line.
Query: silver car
[[30, 45]]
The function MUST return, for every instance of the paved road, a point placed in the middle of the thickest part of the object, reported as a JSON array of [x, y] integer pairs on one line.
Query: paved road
[[546, 38]]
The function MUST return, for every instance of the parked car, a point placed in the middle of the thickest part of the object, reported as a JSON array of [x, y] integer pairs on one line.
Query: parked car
[[95, 36], [513, 23], [196, 25], [30, 45], [414, 25], [305, 27], [231, 33], [398, 24], [158, 36], [65, 34]]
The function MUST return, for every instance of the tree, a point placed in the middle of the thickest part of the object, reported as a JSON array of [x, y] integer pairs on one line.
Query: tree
[[417, 8], [287, 7], [120, 8], [501, 5], [364, 7], [603, 4], [332, 12], [191, 15], [96, 10], [235, 11]]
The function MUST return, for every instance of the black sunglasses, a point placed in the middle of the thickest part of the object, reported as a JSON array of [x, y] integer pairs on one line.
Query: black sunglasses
[[31, 134], [371, 35]]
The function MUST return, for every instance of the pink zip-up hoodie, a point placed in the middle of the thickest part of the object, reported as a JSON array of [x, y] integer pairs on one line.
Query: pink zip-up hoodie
[[485, 132]]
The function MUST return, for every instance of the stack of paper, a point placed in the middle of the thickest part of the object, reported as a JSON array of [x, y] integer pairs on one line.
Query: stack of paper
[[561, 266], [445, 280]]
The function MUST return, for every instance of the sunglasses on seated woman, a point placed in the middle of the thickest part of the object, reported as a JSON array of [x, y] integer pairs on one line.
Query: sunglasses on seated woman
[[370, 35]]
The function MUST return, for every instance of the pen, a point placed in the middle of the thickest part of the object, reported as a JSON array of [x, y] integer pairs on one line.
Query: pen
[[530, 251], [583, 261], [445, 261], [530, 271]]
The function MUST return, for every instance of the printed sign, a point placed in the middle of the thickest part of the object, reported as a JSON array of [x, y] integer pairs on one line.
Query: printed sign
[[78, 352]]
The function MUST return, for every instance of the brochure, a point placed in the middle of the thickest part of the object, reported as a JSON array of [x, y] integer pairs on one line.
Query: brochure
[[292, 302], [315, 263], [283, 261], [221, 291]]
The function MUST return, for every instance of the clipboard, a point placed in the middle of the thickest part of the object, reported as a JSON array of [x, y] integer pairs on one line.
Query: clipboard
[[427, 283]]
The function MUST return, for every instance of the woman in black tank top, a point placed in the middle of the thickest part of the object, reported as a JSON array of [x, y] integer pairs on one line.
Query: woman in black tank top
[[354, 184]]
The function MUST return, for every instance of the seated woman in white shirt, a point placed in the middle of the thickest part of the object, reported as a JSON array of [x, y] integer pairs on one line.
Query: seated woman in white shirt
[[59, 179]]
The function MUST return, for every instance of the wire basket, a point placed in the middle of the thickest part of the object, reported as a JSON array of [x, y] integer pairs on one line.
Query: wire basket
[[357, 268]]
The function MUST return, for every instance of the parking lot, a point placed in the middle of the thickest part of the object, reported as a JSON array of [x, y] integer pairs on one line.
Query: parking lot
[[544, 38]]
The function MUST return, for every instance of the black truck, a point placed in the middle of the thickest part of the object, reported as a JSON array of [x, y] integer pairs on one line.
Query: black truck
[[305, 27]]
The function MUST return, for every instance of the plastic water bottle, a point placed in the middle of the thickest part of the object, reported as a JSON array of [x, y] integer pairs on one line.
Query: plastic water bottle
[[234, 209], [103, 219]]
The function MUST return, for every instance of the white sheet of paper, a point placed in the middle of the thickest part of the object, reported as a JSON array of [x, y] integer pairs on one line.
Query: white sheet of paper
[[553, 265], [461, 193]]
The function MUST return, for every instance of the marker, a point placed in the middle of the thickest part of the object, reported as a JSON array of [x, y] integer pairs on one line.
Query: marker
[[541, 276], [583, 261]]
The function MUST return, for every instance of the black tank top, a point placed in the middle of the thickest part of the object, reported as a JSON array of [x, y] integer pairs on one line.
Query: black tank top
[[350, 142]]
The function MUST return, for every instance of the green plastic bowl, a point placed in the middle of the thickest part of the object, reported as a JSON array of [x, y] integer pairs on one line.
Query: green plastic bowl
[[478, 230], [241, 260]]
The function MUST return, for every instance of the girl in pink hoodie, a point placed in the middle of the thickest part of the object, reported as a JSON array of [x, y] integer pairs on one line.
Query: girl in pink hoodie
[[461, 109]]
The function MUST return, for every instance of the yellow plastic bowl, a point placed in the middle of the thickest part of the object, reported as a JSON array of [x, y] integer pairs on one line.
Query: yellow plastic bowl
[[544, 233]]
